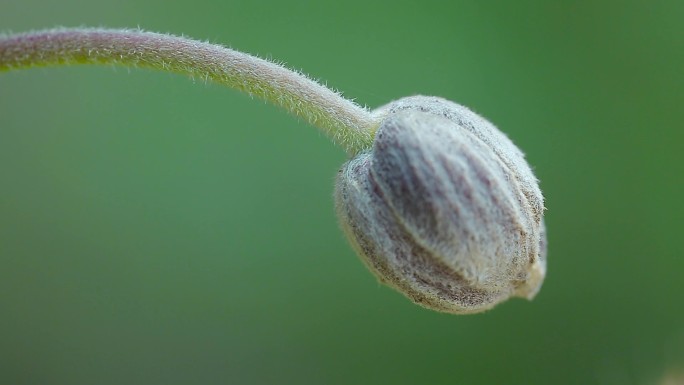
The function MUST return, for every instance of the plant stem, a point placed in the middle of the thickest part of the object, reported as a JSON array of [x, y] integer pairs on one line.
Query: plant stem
[[345, 122]]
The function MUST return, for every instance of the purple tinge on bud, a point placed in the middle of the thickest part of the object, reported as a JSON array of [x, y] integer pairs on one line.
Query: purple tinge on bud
[[445, 208]]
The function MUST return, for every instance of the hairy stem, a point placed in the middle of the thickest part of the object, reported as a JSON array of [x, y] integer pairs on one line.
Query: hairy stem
[[345, 122]]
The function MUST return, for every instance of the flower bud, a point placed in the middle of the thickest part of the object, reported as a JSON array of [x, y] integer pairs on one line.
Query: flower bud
[[444, 208]]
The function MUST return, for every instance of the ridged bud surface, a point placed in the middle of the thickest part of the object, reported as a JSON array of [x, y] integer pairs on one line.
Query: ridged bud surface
[[444, 208]]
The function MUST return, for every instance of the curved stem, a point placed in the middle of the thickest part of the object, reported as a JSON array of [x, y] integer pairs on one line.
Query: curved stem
[[347, 123]]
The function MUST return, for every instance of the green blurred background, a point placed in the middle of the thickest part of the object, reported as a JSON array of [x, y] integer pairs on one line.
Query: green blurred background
[[159, 231]]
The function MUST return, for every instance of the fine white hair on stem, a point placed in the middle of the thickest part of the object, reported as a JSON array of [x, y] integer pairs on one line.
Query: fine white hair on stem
[[345, 122]]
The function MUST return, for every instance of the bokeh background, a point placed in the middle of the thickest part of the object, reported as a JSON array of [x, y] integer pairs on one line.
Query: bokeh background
[[154, 230]]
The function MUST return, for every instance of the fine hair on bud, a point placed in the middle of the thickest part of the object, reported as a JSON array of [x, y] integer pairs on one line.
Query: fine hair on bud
[[444, 208]]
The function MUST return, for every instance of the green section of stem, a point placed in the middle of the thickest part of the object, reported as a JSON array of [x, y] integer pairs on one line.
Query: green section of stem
[[345, 122]]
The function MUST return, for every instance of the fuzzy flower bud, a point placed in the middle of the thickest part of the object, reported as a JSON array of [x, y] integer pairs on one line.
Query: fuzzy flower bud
[[444, 208]]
